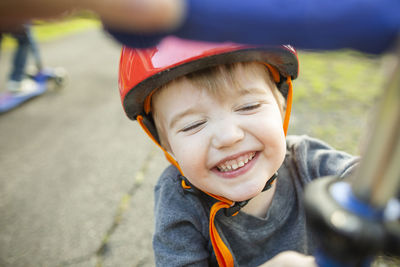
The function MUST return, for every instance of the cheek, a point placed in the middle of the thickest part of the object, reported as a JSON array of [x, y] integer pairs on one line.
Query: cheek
[[282, 148], [279, 142], [189, 155], [269, 131], [268, 124]]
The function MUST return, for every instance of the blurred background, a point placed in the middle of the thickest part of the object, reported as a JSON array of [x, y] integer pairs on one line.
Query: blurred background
[[77, 177]]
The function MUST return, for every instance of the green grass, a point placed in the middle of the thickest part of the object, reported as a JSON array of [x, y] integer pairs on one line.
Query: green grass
[[334, 96], [47, 31], [337, 76]]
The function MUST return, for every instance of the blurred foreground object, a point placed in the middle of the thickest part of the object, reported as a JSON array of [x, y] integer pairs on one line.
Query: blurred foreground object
[[359, 218], [365, 25], [135, 15]]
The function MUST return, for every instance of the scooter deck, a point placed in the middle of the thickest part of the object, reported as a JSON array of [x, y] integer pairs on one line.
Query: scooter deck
[[9, 101]]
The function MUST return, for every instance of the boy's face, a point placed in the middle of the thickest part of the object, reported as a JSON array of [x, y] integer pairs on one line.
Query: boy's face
[[226, 146]]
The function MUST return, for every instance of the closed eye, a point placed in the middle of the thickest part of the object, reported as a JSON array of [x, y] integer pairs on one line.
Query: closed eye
[[193, 126], [249, 107]]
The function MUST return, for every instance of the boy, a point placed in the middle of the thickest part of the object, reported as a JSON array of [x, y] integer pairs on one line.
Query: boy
[[218, 113]]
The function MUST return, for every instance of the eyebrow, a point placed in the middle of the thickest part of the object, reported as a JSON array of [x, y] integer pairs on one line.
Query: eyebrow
[[251, 90], [180, 115]]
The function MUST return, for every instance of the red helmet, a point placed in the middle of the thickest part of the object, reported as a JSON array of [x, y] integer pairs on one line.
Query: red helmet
[[141, 71]]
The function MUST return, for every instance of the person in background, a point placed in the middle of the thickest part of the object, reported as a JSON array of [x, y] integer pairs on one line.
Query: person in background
[[25, 43]]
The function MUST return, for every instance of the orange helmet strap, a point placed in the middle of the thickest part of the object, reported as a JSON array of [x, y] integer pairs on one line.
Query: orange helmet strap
[[149, 124], [142, 124], [289, 100]]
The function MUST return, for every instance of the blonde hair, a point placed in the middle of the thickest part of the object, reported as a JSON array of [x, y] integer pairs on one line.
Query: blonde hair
[[217, 81]]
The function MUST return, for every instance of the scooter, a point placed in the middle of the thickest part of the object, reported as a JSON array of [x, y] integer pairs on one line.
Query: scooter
[[44, 79]]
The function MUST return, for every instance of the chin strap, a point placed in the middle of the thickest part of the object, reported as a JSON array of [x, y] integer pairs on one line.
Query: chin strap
[[233, 210], [222, 253]]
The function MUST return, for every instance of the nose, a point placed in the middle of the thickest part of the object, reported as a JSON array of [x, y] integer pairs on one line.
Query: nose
[[228, 132]]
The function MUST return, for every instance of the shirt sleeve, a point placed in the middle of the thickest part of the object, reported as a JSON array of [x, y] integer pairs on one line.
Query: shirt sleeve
[[181, 231], [366, 25], [314, 158]]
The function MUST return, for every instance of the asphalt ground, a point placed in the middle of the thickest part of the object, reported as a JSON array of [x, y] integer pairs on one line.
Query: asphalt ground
[[76, 176]]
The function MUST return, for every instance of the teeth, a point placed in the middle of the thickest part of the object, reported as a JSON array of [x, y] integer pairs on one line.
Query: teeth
[[236, 163]]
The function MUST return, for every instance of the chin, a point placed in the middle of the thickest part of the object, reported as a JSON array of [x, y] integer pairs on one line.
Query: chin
[[246, 195]]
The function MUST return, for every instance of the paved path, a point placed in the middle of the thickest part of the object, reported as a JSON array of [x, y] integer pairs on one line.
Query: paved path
[[76, 176]]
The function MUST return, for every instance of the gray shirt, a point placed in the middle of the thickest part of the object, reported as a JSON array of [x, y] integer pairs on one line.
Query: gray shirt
[[181, 230]]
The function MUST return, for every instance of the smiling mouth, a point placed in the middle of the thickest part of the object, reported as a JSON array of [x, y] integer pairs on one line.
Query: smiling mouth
[[232, 165]]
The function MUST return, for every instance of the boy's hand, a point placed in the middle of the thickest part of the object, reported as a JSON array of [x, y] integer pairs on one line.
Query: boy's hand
[[290, 259]]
